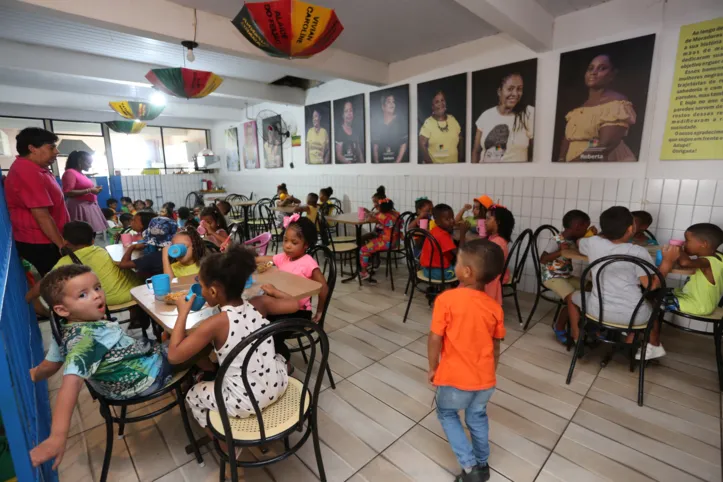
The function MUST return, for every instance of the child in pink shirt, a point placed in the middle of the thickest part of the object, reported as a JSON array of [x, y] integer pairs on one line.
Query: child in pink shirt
[[499, 224]]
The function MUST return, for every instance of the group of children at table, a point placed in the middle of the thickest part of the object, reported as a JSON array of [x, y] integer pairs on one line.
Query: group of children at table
[[466, 329]]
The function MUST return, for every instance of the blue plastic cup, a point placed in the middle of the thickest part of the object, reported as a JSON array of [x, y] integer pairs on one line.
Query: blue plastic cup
[[658, 258], [249, 282], [177, 250], [199, 301], [161, 284]]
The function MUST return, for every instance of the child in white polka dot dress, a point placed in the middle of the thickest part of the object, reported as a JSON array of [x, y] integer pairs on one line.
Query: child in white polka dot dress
[[222, 278]]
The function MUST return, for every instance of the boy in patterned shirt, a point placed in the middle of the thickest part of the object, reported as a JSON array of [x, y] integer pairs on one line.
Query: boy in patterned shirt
[[117, 366], [556, 270]]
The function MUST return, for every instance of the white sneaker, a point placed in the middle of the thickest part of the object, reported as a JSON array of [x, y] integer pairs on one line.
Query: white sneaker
[[652, 352]]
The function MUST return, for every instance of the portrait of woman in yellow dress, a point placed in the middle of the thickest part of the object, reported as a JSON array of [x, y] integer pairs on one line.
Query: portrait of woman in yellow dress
[[318, 133], [607, 125], [441, 113]]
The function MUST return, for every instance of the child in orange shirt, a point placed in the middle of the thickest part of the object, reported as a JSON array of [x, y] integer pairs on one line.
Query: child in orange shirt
[[463, 350]]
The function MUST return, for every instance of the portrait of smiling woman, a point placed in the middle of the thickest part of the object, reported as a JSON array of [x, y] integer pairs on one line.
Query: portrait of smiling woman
[[503, 100], [389, 125], [601, 102], [441, 115]]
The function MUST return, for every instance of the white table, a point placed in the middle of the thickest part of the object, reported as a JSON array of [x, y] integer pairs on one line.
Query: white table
[[117, 251]]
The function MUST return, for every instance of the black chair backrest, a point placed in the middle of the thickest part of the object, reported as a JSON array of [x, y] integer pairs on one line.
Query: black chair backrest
[[337, 202], [407, 217], [518, 253], [325, 232], [654, 296], [270, 216], [194, 200], [273, 199], [651, 235], [328, 269], [247, 348], [55, 327], [541, 231], [414, 264]]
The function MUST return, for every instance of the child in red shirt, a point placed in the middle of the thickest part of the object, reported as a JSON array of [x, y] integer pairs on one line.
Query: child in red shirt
[[463, 350], [432, 266]]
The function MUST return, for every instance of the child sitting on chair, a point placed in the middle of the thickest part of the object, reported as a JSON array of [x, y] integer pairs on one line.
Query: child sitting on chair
[[479, 209], [91, 349], [311, 208], [703, 291], [620, 284], [642, 222], [432, 267], [213, 221], [388, 234]]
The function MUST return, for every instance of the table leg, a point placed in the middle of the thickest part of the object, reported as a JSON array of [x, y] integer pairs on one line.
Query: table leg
[[357, 274], [246, 222]]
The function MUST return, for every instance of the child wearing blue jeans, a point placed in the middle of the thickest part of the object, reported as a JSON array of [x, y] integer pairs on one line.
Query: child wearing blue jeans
[[463, 350]]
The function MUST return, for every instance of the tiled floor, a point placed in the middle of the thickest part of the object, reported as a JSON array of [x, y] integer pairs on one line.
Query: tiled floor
[[379, 424]]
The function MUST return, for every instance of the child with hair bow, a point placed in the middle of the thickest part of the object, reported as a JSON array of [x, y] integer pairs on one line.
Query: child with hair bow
[[386, 218]]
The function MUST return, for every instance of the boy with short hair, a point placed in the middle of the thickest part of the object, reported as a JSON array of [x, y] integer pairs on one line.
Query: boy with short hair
[[112, 203], [463, 351], [432, 266], [643, 220], [127, 205], [93, 349], [703, 291], [556, 269], [620, 283], [149, 204]]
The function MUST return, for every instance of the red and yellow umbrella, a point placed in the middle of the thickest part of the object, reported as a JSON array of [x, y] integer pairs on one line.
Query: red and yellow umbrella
[[125, 126], [186, 83], [137, 110], [288, 28]]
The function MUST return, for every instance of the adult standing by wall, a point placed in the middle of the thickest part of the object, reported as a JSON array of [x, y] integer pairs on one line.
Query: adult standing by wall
[[81, 192], [35, 200]]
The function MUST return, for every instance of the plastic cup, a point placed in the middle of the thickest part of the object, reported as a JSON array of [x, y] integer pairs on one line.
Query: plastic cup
[[177, 251], [199, 301], [658, 258], [161, 284], [361, 212], [249, 282], [481, 229], [676, 242], [424, 224], [126, 239]]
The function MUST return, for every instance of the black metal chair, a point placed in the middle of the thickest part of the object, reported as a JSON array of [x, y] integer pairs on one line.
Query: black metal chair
[[396, 250], [333, 210], [541, 291], [343, 250], [328, 269], [294, 411], [716, 318], [259, 217], [651, 236], [173, 386], [519, 251], [194, 200], [337, 202], [416, 274], [617, 327]]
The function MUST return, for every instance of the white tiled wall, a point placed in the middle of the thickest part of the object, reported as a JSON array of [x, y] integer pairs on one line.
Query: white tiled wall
[[164, 188], [674, 204]]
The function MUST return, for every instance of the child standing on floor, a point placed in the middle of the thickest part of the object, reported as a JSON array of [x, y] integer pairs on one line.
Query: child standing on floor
[[91, 349], [703, 291], [433, 267], [463, 351], [556, 269], [499, 225], [223, 277], [388, 234], [190, 263]]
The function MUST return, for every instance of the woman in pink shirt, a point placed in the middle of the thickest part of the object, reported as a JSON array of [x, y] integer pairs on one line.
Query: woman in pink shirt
[[81, 192]]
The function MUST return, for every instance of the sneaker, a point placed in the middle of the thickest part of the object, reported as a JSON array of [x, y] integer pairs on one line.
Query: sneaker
[[364, 275], [560, 335], [484, 472], [477, 474], [651, 352]]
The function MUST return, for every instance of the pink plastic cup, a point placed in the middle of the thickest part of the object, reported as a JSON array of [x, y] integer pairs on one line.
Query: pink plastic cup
[[126, 239], [481, 229], [137, 237], [676, 242], [362, 213], [424, 224]]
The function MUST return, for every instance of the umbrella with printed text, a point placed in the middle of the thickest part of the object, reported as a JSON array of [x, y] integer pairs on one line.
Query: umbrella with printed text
[[137, 110], [288, 28], [186, 83], [125, 126]]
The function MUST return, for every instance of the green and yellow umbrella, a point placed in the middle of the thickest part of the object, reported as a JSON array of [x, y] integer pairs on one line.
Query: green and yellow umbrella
[[186, 83], [137, 110], [125, 126], [288, 28]]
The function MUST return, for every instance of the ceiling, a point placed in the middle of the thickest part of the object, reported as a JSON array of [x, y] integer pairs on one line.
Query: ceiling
[[561, 7], [51, 31], [387, 30]]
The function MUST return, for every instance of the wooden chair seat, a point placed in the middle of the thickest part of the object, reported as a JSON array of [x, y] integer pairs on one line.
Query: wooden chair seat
[[421, 276], [344, 247]]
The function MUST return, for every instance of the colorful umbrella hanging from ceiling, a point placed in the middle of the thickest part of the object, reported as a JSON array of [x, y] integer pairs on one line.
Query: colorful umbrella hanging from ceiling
[[288, 28], [125, 126], [137, 110], [186, 83]]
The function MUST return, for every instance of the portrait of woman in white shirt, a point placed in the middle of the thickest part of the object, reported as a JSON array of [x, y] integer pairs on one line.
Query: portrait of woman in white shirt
[[505, 132]]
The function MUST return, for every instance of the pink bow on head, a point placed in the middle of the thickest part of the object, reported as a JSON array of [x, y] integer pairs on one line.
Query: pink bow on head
[[291, 219]]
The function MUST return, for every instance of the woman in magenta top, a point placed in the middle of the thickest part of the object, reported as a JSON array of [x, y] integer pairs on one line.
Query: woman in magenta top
[[81, 192]]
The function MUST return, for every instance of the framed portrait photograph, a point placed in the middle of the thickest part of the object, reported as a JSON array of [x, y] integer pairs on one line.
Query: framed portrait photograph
[[251, 146], [233, 161], [503, 113], [273, 148], [601, 101], [349, 137], [317, 119], [389, 125], [442, 119]]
